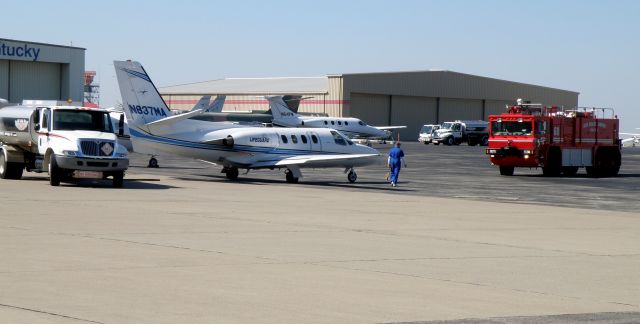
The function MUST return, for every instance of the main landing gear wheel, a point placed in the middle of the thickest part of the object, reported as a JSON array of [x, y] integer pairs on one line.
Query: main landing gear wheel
[[289, 176], [352, 176], [232, 173], [153, 163]]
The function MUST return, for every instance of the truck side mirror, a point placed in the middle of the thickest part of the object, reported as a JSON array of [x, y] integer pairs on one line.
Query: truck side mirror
[[121, 126], [36, 127]]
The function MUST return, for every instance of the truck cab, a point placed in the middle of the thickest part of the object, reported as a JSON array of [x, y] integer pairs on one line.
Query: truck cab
[[426, 133], [65, 141]]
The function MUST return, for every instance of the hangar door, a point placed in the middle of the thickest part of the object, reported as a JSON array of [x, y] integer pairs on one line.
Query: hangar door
[[412, 112], [372, 109], [34, 80], [460, 109], [4, 79]]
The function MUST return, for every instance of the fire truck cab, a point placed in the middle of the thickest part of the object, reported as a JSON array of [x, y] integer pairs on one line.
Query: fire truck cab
[[559, 141]]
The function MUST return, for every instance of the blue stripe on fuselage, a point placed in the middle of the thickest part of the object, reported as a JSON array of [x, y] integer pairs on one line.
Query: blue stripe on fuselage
[[216, 147]]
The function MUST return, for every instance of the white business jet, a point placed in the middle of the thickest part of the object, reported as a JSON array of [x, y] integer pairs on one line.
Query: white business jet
[[233, 146], [352, 127], [632, 141]]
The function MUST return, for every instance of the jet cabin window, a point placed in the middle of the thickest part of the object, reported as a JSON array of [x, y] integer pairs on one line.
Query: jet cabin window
[[346, 123], [304, 139], [294, 139], [314, 139], [326, 122], [333, 122], [339, 122], [284, 139]]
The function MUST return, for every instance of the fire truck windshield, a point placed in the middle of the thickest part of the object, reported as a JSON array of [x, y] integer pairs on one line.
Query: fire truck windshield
[[513, 128]]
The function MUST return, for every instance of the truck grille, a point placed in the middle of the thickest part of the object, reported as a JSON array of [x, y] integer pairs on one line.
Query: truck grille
[[96, 148]]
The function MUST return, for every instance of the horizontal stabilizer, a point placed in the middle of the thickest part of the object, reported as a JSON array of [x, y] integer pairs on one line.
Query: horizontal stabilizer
[[174, 119]]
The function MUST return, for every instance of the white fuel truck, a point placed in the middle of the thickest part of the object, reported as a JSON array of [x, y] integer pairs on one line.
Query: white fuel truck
[[65, 141]]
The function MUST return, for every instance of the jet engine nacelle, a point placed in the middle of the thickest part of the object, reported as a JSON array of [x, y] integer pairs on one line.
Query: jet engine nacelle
[[228, 141]]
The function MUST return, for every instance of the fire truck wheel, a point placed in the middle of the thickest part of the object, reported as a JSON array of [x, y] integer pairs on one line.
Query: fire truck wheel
[[506, 170], [553, 167], [569, 171]]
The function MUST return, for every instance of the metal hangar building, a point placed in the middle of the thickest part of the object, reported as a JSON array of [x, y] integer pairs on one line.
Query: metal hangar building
[[40, 71], [409, 98]]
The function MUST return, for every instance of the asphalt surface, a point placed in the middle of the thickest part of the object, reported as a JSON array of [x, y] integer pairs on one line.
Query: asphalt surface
[[462, 172]]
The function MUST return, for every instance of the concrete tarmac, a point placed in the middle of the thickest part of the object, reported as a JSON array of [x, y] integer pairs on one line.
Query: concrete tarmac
[[181, 244]]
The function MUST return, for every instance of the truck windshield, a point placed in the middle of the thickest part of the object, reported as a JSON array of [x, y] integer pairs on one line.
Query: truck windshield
[[426, 129], [88, 120], [506, 128], [446, 125]]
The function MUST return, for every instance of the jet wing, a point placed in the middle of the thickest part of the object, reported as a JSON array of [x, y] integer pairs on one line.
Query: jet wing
[[311, 160], [389, 127]]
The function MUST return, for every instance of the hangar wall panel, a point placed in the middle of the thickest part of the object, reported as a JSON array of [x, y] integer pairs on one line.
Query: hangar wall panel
[[460, 109], [372, 109], [34, 80], [412, 112], [4, 79], [495, 107]]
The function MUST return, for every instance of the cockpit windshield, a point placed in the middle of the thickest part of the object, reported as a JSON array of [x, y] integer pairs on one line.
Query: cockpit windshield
[[88, 120], [340, 139], [511, 127]]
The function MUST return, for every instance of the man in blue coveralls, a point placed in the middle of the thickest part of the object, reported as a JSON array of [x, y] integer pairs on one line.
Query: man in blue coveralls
[[396, 158]]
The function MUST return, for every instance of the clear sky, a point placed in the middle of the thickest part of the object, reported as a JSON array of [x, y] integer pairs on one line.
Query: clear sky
[[592, 47]]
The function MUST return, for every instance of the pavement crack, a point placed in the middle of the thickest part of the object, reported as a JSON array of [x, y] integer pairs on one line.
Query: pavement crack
[[49, 313]]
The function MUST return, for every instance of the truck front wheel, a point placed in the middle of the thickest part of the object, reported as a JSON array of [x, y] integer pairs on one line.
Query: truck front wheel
[[55, 173], [449, 140], [506, 170], [118, 179]]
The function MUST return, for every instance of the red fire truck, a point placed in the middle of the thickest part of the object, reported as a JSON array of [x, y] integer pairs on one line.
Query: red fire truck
[[557, 140]]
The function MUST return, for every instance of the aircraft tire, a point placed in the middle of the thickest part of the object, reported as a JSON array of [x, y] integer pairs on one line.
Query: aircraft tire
[[232, 173], [153, 163], [290, 178], [352, 176]]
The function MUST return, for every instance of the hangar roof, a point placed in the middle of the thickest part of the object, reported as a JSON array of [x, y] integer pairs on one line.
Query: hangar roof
[[233, 86]]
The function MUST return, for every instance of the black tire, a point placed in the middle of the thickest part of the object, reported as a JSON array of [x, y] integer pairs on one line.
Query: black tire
[[118, 179], [484, 141], [55, 173], [10, 170], [232, 173], [436, 143], [506, 170], [449, 141], [290, 178], [352, 176], [153, 163], [553, 165], [570, 171]]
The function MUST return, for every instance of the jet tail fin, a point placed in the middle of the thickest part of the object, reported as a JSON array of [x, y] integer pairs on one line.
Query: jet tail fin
[[142, 103], [217, 104], [282, 115], [202, 104]]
